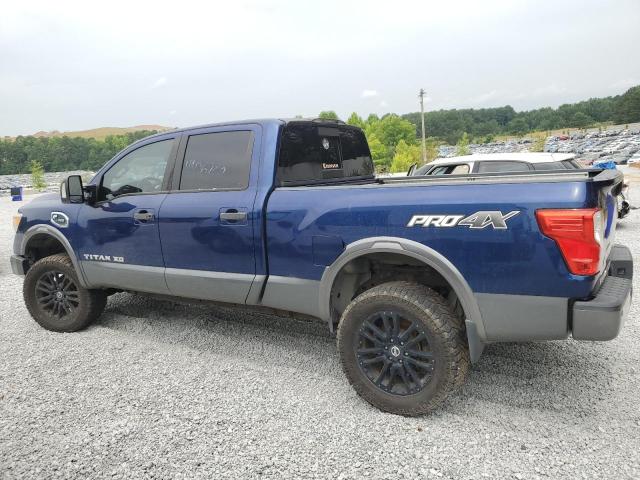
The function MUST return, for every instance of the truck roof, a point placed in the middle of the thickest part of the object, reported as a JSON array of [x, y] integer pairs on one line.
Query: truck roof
[[259, 121], [529, 157]]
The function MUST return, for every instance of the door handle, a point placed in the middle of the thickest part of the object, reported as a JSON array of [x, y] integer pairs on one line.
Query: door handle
[[233, 216], [143, 216]]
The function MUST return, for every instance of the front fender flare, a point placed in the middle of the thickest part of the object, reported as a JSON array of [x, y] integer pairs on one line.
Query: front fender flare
[[53, 232], [430, 257]]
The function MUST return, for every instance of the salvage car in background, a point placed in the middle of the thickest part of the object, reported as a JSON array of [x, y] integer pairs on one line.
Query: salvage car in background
[[510, 162], [498, 162]]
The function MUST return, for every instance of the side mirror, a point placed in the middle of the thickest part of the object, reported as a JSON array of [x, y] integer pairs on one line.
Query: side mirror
[[412, 169], [90, 194], [71, 190]]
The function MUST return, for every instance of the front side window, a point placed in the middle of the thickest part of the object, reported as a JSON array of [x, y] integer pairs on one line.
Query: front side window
[[220, 160], [497, 167], [140, 171]]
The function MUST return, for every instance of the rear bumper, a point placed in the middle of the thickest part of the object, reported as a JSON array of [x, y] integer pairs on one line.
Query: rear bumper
[[602, 317], [18, 264]]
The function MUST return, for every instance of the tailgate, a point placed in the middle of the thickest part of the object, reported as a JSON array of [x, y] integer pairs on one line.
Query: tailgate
[[607, 185]]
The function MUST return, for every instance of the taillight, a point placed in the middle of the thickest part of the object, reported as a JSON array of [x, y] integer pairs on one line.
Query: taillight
[[578, 233]]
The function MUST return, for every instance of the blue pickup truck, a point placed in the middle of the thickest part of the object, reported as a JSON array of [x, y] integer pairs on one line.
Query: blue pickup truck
[[415, 275]]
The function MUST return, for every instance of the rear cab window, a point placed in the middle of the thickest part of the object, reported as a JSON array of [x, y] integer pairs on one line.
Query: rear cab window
[[312, 153]]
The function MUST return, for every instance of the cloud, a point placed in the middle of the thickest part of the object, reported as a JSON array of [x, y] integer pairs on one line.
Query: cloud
[[384, 104], [624, 84], [552, 89], [484, 97], [161, 82], [37, 92]]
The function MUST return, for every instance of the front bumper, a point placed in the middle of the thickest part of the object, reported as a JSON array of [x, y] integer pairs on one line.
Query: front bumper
[[18, 265], [602, 317]]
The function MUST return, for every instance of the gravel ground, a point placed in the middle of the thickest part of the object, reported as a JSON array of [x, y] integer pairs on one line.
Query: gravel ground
[[170, 391], [52, 179]]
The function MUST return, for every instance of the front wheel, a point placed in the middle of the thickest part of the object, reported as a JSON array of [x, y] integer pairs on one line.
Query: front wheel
[[55, 299], [402, 348]]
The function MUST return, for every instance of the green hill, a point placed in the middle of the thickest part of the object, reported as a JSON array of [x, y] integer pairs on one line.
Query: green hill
[[102, 132]]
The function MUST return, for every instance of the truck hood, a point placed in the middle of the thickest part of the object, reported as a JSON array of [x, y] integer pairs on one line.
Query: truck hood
[[46, 197], [51, 200]]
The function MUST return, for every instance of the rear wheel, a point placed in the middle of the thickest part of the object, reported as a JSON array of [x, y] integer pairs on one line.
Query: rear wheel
[[55, 299], [402, 348]]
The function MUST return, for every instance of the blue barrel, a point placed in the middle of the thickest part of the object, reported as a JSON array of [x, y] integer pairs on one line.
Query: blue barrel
[[16, 194]]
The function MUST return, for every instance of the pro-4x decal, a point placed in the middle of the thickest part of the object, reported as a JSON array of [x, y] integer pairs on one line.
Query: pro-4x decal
[[478, 220]]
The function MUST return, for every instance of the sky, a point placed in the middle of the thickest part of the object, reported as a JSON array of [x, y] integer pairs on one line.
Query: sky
[[68, 65]]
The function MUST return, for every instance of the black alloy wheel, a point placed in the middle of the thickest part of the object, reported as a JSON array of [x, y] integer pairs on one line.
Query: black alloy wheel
[[394, 353], [403, 347], [56, 298], [57, 294]]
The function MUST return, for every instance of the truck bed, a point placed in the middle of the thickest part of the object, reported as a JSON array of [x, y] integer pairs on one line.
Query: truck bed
[[586, 175]]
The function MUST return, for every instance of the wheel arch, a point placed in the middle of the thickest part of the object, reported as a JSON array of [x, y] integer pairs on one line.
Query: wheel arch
[[425, 256], [38, 233]]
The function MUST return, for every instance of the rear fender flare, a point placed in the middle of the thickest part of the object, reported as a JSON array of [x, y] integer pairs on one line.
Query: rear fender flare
[[430, 257]]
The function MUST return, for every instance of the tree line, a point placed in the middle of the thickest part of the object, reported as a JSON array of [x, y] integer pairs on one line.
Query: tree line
[[485, 123], [58, 154], [393, 139]]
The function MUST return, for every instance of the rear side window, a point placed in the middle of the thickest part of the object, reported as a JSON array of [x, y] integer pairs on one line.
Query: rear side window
[[311, 153], [495, 167], [549, 166], [220, 160]]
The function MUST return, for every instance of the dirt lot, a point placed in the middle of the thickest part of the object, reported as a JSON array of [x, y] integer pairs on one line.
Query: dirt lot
[[169, 391]]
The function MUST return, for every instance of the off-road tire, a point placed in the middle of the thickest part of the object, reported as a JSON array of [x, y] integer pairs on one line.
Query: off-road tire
[[446, 337], [90, 303]]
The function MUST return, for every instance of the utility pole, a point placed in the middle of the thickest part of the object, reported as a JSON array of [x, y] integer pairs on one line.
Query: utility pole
[[424, 142]]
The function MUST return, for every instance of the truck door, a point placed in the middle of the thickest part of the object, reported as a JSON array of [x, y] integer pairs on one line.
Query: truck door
[[207, 220], [120, 240]]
